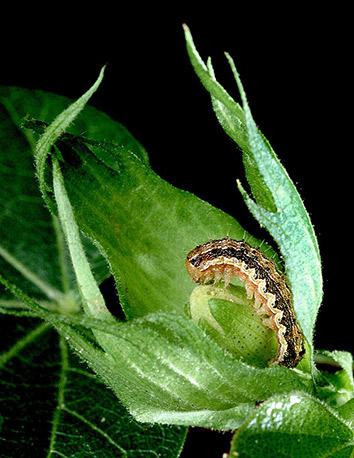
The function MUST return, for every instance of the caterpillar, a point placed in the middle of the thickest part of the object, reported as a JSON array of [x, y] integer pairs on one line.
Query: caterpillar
[[221, 260]]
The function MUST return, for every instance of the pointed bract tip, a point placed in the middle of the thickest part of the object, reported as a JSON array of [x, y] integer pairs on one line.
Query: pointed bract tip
[[103, 69], [238, 80], [187, 33], [241, 189]]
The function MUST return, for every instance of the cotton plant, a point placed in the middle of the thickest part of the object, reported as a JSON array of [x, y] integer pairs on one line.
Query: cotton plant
[[76, 380]]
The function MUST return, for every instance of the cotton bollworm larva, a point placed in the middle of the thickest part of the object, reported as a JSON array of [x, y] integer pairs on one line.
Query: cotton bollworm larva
[[221, 260]]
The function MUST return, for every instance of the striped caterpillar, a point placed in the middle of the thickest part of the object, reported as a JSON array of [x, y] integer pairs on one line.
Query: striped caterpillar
[[221, 260]]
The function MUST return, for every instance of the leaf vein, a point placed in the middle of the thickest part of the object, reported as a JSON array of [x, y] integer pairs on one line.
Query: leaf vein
[[61, 394], [21, 344], [96, 429]]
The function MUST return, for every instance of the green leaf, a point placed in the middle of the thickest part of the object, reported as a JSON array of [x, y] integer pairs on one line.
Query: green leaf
[[295, 425], [34, 256], [61, 408], [183, 378], [145, 395], [144, 225], [53, 132], [235, 126], [347, 411], [342, 359], [156, 387], [278, 206], [345, 452], [20, 198], [90, 292], [231, 117], [336, 388], [166, 369], [27, 231], [93, 301], [19, 103]]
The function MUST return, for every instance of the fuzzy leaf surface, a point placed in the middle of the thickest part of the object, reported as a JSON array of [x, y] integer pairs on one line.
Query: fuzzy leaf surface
[[295, 425], [144, 225], [166, 369], [277, 205]]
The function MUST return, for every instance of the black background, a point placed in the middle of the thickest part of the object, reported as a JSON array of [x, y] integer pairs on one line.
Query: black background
[[296, 67]]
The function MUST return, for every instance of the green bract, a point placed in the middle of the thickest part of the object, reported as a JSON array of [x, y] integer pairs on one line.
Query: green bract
[[186, 354], [277, 205]]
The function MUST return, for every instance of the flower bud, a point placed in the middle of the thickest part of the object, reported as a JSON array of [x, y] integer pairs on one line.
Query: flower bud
[[228, 316]]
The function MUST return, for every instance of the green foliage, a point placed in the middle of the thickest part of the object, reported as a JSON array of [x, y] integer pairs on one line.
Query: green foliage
[[34, 256], [144, 226], [206, 368], [294, 425], [26, 238], [59, 408], [337, 388], [53, 132], [182, 372], [277, 206], [19, 104], [159, 382], [347, 412]]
